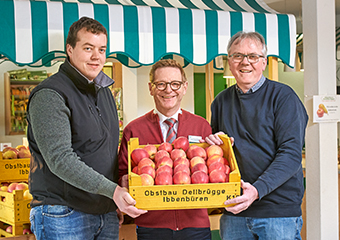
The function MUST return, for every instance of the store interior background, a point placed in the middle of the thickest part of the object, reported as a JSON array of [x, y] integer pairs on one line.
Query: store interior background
[[136, 98]]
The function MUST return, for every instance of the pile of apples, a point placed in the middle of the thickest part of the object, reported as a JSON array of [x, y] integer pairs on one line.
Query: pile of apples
[[20, 151], [10, 187], [180, 163]]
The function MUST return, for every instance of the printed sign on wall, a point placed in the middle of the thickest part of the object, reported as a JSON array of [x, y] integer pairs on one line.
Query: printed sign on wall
[[326, 108]]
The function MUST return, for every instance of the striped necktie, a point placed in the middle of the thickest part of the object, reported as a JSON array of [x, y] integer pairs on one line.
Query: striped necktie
[[171, 135]]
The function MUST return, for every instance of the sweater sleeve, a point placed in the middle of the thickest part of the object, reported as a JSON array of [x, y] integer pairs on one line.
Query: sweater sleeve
[[290, 123], [49, 117]]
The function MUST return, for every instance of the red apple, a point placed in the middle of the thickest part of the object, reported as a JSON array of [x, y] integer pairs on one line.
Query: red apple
[[227, 170], [148, 170], [196, 160], [225, 161], [214, 149], [218, 166], [163, 178], [10, 154], [215, 158], [20, 147], [10, 149], [24, 153], [194, 151], [164, 168], [176, 153], [181, 143], [21, 186], [151, 149], [26, 231], [217, 176], [182, 167], [165, 146], [181, 178], [147, 180], [181, 160], [135, 169], [9, 229], [138, 154], [12, 187], [146, 162], [199, 167], [165, 161], [161, 153], [199, 177], [320, 112]]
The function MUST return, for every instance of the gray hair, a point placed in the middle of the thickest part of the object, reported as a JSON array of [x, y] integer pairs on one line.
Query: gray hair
[[240, 36]]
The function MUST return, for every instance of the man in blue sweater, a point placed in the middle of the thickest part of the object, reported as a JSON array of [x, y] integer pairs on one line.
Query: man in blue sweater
[[267, 121]]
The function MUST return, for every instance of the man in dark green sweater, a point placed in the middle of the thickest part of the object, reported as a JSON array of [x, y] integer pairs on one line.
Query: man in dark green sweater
[[267, 121]]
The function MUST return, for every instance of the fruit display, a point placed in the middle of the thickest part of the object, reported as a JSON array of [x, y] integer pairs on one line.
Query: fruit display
[[182, 175], [20, 151], [183, 161]]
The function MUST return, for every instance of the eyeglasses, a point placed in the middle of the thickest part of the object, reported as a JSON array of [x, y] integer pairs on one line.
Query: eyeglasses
[[252, 58], [175, 85]]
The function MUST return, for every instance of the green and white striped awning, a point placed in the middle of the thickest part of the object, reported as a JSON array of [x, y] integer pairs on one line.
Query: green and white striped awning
[[143, 31]]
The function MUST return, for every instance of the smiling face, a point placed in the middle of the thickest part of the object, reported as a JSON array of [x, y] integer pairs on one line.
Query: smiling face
[[88, 55], [167, 101], [247, 74]]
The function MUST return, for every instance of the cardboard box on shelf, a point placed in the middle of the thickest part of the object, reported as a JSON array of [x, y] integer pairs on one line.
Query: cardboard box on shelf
[[187, 196]]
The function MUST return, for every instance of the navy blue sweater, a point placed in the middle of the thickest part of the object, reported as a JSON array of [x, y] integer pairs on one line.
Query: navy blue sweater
[[269, 130]]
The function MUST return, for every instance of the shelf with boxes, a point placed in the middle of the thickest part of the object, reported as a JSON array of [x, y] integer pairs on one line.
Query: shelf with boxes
[[18, 85]]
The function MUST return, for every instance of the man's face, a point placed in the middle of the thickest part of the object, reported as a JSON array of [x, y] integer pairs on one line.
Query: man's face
[[247, 74], [88, 56], [167, 101]]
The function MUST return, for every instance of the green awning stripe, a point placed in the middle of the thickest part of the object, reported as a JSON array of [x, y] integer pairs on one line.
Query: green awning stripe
[[159, 34], [236, 22], [212, 5], [164, 3], [101, 13], [71, 15], [211, 34], [7, 39], [131, 32], [260, 24], [283, 31], [253, 4], [186, 33], [188, 4], [39, 29], [139, 2], [234, 5]]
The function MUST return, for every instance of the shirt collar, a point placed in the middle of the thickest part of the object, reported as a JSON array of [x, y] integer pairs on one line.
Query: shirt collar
[[253, 88], [162, 118]]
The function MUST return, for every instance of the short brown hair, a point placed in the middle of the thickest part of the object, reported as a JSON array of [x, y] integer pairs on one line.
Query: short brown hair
[[166, 63], [90, 24]]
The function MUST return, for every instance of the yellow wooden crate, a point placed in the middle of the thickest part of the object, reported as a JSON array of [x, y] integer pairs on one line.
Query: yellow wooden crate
[[14, 170], [15, 211], [187, 196]]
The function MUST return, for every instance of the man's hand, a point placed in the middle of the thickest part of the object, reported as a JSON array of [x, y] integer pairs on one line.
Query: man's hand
[[125, 202], [250, 194], [214, 139]]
